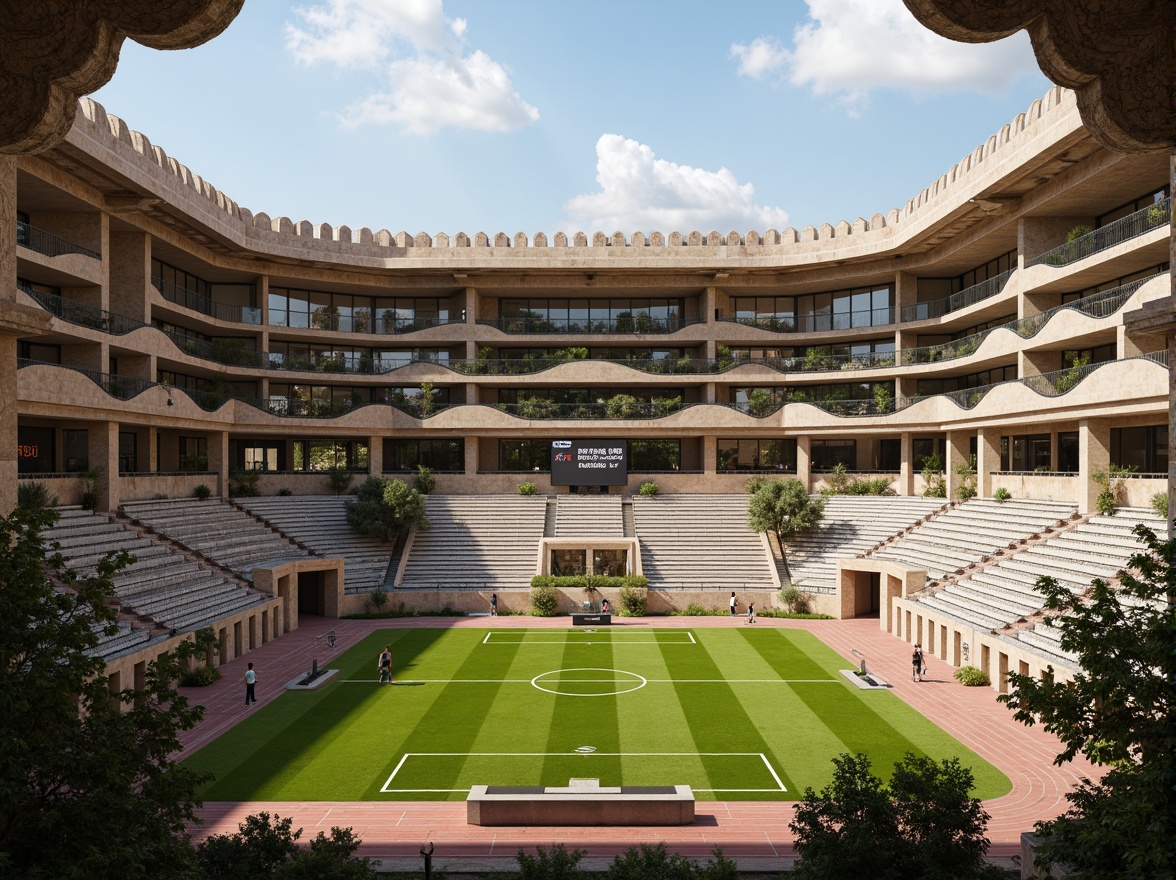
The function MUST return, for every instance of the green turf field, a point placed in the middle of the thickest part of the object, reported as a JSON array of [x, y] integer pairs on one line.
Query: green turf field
[[739, 713]]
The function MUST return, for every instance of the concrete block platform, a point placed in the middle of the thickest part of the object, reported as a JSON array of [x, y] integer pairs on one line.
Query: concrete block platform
[[582, 802]]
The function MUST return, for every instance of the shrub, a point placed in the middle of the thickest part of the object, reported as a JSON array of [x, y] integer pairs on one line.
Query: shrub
[[90, 478], [633, 600], [384, 508], [201, 676], [970, 676], [527, 489], [794, 600], [649, 490], [754, 484], [339, 478], [202, 492], [243, 484], [34, 496], [874, 486], [558, 864], [647, 862], [837, 480], [379, 598], [934, 485], [284, 492], [424, 481], [544, 601], [1159, 503], [1002, 495], [1111, 483]]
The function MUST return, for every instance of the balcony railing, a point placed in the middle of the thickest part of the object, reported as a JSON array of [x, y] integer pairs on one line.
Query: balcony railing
[[639, 323], [120, 387], [1121, 230], [47, 243], [198, 302], [966, 297], [81, 314], [857, 320]]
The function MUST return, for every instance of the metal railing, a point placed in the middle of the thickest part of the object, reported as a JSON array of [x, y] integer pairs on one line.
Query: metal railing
[[856, 320], [966, 297], [120, 387], [81, 314], [47, 243], [608, 326], [198, 302], [1121, 230]]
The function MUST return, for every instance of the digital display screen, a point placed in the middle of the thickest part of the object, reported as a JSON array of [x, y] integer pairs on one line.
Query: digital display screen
[[589, 462]]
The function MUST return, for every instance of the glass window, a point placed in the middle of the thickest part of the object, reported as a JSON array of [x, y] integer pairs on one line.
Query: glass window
[[34, 450], [827, 454], [76, 448]]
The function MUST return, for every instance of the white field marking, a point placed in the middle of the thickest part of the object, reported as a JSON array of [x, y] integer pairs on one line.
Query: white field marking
[[324, 818], [636, 680], [601, 637], [406, 681], [384, 789]]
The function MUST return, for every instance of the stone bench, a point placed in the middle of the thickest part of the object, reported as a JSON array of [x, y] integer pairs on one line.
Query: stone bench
[[581, 619], [581, 802]]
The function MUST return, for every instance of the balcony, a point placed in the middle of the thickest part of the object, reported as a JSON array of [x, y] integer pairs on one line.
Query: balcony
[[968, 296], [47, 243], [637, 324], [197, 302], [1124, 229]]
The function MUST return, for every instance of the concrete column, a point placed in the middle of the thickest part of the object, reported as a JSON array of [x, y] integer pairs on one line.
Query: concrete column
[[1036, 235], [906, 292], [1034, 363], [130, 274], [103, 451], [957, 454], [1053, 449], [987, 459], [262, 286], [471, 456], [906, 472], [708, 392], [218, 460], [470, 304], [710, 299], [710, 455], [804, 461], [152, 462], [375, 456], [1094, 454]]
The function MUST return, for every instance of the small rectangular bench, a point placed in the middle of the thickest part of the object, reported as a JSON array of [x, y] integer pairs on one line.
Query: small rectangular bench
[[579, 619], [582, 802]]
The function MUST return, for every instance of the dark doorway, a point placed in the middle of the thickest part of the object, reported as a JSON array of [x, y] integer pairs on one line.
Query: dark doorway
[[312, 598], [867, 594]]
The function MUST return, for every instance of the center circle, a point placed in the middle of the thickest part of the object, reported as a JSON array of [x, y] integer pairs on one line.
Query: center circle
[[588, 681]]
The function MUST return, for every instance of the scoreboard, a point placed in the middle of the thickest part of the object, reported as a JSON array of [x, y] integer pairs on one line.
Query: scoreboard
[[589, 462]]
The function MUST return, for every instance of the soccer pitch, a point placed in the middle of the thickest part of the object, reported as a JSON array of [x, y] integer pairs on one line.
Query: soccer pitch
[[736, 713]]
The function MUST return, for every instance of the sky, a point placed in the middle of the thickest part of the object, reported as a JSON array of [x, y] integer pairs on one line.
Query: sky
[[532, 116]]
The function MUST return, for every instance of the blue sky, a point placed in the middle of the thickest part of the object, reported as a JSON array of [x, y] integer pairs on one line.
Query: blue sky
[[527, 116]]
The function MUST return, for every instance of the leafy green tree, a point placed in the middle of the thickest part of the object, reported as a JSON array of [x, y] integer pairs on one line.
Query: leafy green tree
[[383, 508], [924, 825], [267, 846], [783, 508], [88, 786], [1118, 712], [558, 864], [339, 478], [646, 862]]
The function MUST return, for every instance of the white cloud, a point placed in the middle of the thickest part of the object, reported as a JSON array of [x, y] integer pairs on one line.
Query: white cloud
[[848, 47], [425, 79], [639, 192]]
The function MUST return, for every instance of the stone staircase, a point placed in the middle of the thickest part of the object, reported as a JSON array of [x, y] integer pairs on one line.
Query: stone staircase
[[476, 542], [700, 542], [851, 525], [227, 535], [163, 586], [1002, 595], [319, 523], [587, 516], [950, 541]]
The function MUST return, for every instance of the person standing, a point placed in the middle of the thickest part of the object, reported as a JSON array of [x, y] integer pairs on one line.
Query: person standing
[[751, 612], [493, 604], [384, 664], [733, 603], [250, 685], [917, 664]]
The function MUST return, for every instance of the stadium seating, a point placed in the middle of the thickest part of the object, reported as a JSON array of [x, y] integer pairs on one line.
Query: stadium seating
[[319, 522], [588, 516], [223, 533], [476, 542], [161, 584], [851, 525], [700, 541]]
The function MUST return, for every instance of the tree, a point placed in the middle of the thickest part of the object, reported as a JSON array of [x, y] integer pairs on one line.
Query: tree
[[339, 478], [784, 509], [267, 847], [657, 863], [383, 508], [923, 826], [88, 786], [1118, 712]]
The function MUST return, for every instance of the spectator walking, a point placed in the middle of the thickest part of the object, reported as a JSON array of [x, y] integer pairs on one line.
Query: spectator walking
[[751, 612], [384, 664], [917, 663], [733, 603], [250, 685], [493, 604]]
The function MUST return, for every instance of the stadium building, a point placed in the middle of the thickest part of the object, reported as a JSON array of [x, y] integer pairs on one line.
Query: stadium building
[[982, 325]]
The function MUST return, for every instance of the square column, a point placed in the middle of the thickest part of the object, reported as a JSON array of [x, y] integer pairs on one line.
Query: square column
[[1094, 454], [957, 454], [375, 456], [103, 452], [471, 456], [987, 459], [906, 472], [804, 461], [218, 460]]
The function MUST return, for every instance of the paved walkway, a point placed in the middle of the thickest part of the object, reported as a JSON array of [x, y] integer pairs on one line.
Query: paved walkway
[[754, 833]]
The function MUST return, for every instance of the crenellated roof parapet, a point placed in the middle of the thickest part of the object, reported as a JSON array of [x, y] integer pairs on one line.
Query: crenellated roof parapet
[[1046, 120]]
